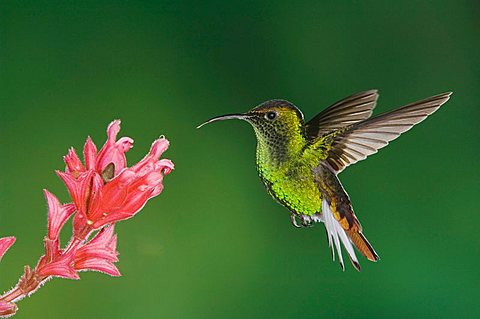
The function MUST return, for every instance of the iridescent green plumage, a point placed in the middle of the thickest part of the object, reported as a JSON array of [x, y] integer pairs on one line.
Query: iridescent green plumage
[[282, 163], [298, 162]]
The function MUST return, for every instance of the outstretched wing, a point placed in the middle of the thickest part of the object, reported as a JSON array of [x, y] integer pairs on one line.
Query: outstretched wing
[[355, 142], [350, 110]]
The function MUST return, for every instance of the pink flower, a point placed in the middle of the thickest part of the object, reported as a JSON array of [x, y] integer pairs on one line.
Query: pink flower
[[113, 151], [105, 190], [128, 192], [74, 165], [5, 244], [99, 254], [7, 309], [78, 185]]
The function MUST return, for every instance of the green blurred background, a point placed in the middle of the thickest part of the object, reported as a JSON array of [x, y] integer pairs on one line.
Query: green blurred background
[[214, 244]]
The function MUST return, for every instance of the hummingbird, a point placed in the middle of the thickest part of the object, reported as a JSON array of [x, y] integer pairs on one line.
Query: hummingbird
[[299, 162]]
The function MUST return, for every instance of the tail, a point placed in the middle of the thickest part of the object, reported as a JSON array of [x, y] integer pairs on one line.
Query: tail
[[348, 237], [362, 244]]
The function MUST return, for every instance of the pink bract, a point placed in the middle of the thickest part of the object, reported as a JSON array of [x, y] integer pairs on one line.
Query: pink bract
[[99, 254], [5, 244], [7, 309]]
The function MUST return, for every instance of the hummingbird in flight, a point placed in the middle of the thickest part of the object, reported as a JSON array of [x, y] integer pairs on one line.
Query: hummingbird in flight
[[299, 162]]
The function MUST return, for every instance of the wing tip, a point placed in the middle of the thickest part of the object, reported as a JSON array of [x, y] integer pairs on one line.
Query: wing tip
[[441, 99], [447, 96], [367, 92], [444, 97]]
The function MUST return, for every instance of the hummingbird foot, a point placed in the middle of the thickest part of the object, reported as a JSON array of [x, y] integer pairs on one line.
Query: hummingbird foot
[[306, 220], [293, 219]]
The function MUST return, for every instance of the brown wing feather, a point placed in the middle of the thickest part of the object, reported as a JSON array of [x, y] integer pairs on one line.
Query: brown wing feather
[[350, 110], [357, 141]]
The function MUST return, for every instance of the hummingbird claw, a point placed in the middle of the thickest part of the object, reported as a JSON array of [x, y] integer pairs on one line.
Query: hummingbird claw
[[293, 219], [306, 221]]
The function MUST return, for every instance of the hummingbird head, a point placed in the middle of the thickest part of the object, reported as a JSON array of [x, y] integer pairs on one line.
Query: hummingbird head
[[278, 125]]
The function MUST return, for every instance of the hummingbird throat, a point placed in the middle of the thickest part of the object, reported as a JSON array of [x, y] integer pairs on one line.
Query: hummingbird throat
[[278, 146]]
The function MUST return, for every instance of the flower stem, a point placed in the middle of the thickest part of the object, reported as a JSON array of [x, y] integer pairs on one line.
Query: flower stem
[[12, 295], [30, 281]]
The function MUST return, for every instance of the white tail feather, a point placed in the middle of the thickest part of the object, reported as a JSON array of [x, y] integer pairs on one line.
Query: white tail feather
[[336, 234]]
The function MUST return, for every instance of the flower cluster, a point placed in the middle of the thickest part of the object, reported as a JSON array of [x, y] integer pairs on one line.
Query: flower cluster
[[104, 190]]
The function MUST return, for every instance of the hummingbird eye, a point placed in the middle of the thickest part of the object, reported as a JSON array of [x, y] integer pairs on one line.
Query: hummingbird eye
[[271, 115]]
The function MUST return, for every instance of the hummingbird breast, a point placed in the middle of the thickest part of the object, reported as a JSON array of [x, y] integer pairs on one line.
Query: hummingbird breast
[[292, 184], [285, 169]]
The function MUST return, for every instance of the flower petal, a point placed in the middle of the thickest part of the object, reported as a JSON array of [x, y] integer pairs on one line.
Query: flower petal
[[102, 246], [120, 202], [115, 192], [104, 237], [112, 131], [5, 244], [98, 253], [60, 267], [111, 218], [126, 194], [159, 146], [79, 188], [7, 309], [114, 151], [165, 166], [74, 165], [95, 199], [100, 265], [156, 150], [124, 144], [57, 214], [90, 154]]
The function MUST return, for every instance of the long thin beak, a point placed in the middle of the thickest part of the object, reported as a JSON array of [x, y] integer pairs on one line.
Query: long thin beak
[[238, 116]]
